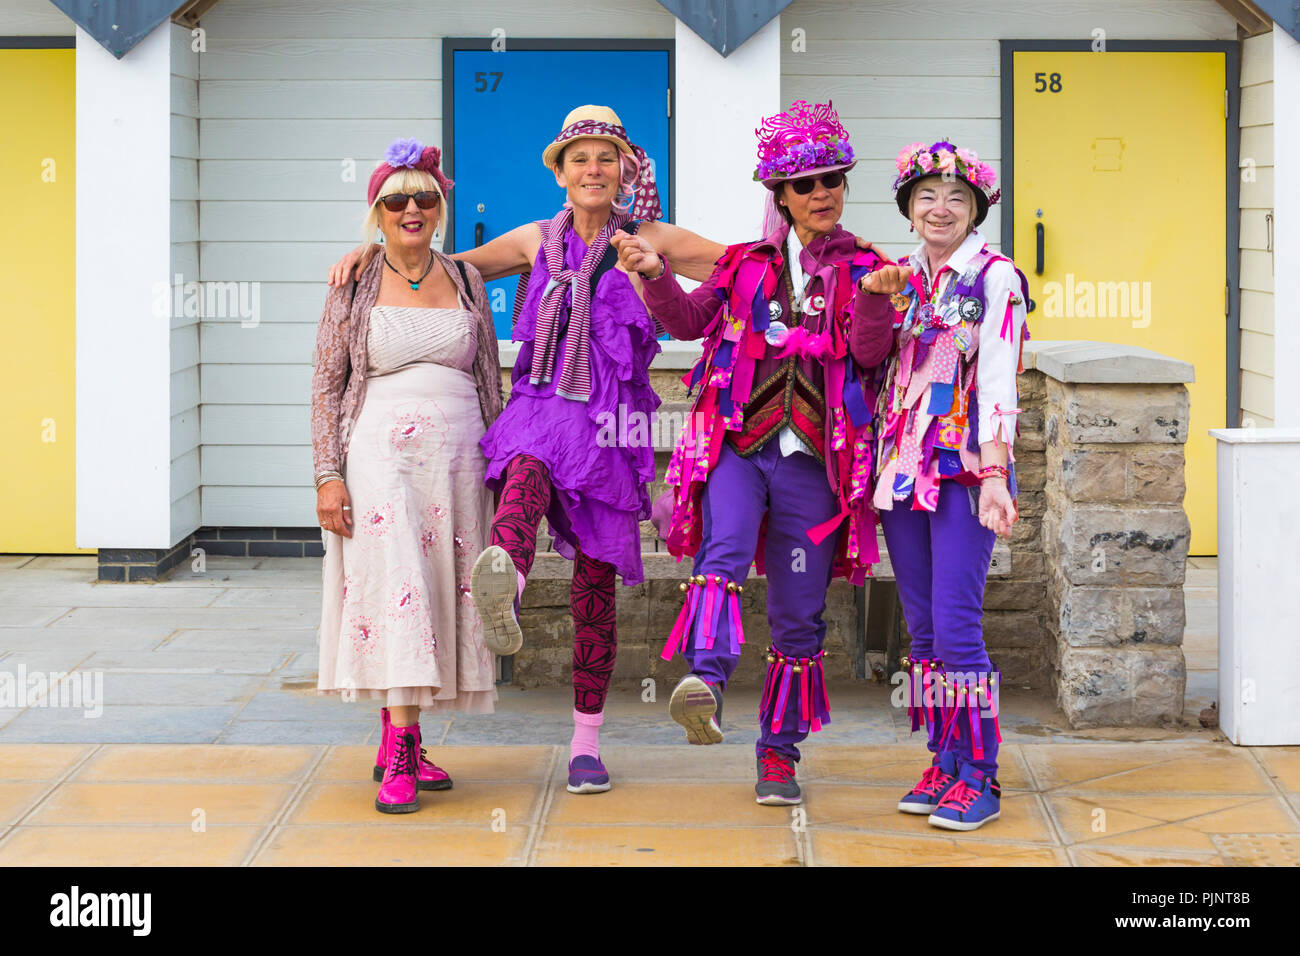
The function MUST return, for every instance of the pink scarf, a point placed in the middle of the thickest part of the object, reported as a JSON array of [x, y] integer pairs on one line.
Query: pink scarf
[[575, 379]]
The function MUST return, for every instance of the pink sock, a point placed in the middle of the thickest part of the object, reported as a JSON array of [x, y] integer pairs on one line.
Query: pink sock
[[522, 581], [586, 734]]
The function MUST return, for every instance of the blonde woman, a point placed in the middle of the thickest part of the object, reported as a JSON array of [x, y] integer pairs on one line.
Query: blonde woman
[[406, 382]]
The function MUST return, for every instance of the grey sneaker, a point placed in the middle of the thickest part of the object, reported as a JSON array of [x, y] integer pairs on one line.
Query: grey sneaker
[[494, 586], [776, 785], [697, 706]]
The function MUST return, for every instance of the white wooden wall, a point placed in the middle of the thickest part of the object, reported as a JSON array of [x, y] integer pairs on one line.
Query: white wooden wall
[[185, 370], [289, 90], [900, 71], [1256, 258]]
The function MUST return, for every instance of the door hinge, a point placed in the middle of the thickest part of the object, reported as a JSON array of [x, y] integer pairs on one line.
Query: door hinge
[[668, 102], [1225, 104], [1227, 299]]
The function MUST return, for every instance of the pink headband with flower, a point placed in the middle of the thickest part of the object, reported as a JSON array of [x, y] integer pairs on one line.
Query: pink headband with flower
[[806, 138], [408, 154]]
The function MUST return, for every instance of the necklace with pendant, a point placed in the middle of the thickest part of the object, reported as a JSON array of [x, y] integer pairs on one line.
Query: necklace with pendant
[[415, 283]]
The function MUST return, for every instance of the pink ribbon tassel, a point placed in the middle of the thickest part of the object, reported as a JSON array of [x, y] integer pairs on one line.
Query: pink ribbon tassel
[[976, 736], [680, 633], [737, 632], [782, 698], [703, 635]]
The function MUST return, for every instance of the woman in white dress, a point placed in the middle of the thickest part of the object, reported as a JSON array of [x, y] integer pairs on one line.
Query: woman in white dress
[[406, 381]]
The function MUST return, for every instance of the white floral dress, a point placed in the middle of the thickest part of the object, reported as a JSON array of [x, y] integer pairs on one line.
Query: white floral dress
[[397, 622]]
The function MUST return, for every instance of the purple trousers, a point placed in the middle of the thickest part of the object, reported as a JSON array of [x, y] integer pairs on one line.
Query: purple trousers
[[796, 496], [941, 561]]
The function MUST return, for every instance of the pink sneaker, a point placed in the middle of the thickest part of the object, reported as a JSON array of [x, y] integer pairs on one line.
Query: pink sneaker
[[430, 775], [398, 793]]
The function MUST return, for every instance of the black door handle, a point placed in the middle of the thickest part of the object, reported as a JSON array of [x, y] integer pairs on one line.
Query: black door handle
[[1038, 267], [478, 238]]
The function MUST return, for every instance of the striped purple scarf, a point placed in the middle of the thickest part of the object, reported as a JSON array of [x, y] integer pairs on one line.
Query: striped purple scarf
[[575, 379]]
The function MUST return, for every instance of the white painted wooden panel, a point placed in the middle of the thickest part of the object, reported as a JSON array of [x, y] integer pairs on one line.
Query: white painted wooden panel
[[1256, 270], [291, 507], [882, 138], [185, 96], [1254, 229], [184, 259], [1258, 193], [934, 58], [185, 515], [860, 97], [300, 302], [366, 19], [185, 220], [1257, 144], [185, 136], [34, 18], [1022, 19], [1257, 105], [256, 384], [276, 221], [332, 139], [256, 465], [396, 100], [324, 58], [185, 350], [185, 178], [184, 58], [267, 261], [184, 389], [185, 431], [317, 180], [282, 343], [1257, 352], [1257, 59], [185, 474], [1257, 393], [1257, 311], [256, 424]]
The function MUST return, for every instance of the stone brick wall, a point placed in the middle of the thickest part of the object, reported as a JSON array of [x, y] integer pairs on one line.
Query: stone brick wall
[[1115, 539]]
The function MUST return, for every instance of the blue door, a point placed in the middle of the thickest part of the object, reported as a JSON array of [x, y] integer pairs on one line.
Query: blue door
[[508, 106]]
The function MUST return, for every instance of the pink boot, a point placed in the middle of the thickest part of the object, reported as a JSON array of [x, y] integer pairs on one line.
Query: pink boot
[[430, 776], [398, 793]]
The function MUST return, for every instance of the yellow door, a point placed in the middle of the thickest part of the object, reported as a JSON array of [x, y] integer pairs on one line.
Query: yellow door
[[1123, 155], [38, 102]]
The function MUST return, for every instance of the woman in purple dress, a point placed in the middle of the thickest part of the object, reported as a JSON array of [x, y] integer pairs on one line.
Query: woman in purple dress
[[586, 343]]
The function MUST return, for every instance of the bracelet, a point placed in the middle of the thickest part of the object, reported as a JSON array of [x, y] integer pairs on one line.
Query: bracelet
[[326, 477], [993, 471], [663, 270]]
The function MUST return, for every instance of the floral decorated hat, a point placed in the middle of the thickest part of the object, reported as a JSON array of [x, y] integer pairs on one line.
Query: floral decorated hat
[[805, 140], [916, 161]]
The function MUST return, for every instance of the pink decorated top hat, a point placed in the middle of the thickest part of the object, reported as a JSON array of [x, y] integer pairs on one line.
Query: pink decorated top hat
[[806, 140]]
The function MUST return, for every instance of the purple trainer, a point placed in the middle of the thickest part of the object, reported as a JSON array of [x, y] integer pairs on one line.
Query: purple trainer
[[587, 775]]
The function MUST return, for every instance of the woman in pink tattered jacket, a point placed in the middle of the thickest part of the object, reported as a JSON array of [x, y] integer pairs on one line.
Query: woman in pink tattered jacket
[[774, 464]]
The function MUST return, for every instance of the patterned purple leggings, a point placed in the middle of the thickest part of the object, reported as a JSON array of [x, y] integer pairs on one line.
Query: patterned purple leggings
[[525, 496]]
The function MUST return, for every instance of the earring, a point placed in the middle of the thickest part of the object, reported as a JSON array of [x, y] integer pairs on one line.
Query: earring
[[911, 227]]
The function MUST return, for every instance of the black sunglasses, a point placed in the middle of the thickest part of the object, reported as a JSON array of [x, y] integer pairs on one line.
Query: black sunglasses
[[830, 180], [396, 202]]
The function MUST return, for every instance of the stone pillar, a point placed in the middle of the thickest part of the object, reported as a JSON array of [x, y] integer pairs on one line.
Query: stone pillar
[[1114, 533]]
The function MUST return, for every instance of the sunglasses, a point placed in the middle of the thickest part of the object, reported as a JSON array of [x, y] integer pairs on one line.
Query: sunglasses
[[396, 202], [830, 180]]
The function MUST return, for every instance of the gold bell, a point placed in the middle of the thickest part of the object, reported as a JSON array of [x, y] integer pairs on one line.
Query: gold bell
[[699, 579], [771, 659], [684, 585], [798, 669]]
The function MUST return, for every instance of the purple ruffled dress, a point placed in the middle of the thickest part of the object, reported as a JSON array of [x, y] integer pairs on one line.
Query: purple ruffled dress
[[599, 487]]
